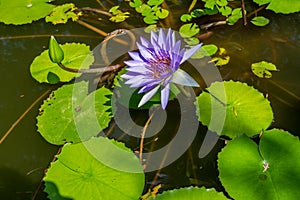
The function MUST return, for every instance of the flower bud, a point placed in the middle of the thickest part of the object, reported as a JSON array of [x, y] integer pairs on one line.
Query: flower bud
[[56, 53]]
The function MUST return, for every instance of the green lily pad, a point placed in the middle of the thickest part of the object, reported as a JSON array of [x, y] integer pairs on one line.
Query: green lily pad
[[234, 108], [262, 69], [68, 115], [61, 14], [23, 12], [235, 16], [279, 6], [79, 173], [260, 21], [191, 193], [186, 18], [189, 30], [270, 170], [205, 50], [162, 13], [76, 56]]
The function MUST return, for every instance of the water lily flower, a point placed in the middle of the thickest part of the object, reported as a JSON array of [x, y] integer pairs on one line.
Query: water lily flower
[[156, 65]]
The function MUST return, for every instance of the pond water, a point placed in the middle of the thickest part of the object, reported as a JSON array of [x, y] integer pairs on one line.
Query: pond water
[[25, 154]]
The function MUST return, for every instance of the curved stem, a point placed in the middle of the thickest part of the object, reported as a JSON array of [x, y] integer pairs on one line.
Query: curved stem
[[91, 71], [23, 115]]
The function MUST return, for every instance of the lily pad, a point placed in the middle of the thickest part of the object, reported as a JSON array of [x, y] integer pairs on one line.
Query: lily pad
[[262, 69], [79, 173], [279, 6], [68, 115], [205, 50], [23, 12], [191, 193], [260, 21], [189, 30], [234, 108], [76, 56], [270, 170], [61, 14]]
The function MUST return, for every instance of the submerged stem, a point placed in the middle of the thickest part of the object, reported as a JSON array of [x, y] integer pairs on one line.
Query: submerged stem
[[23, 115]]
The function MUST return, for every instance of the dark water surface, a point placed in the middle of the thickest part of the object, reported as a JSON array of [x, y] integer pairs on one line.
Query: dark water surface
[[25, 154]]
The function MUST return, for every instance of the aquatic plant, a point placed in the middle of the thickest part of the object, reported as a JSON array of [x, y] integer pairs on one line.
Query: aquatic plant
[[157, 66]]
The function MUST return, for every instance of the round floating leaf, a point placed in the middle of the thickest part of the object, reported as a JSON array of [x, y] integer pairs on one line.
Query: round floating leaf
[[79, 173], [205, 50], [234, 108], [70, 115], [162, 13], [23, 12], [189, 30], [262, 69], [191, 193], [186, 17], [260, 21], [279, 6], [268, 171], [76, 56]]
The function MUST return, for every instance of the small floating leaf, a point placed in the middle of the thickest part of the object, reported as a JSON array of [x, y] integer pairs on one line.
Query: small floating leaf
[[206, 50], [189, 30], [234, 108], [68, 109], [260, 21], [269, 170], [61, 14], [162, 13], [262, 69], [80, 173], [191, 193], [76, 56], [155, 2], [23, 12], [186, 17], [235, 16]]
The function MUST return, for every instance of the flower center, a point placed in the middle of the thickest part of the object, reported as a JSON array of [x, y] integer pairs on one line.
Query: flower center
[[160, 67]]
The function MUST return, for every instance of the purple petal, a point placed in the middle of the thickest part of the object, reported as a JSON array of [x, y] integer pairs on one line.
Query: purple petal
[[149, 85], [162, 39], [190, 52], [148, 96], [135, 56], [164, 98], [153, 37], [145, 52], [169, 42], [134, 63], [145, 42]]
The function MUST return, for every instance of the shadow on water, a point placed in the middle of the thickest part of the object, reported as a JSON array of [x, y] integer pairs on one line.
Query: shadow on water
[[15, 186]]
